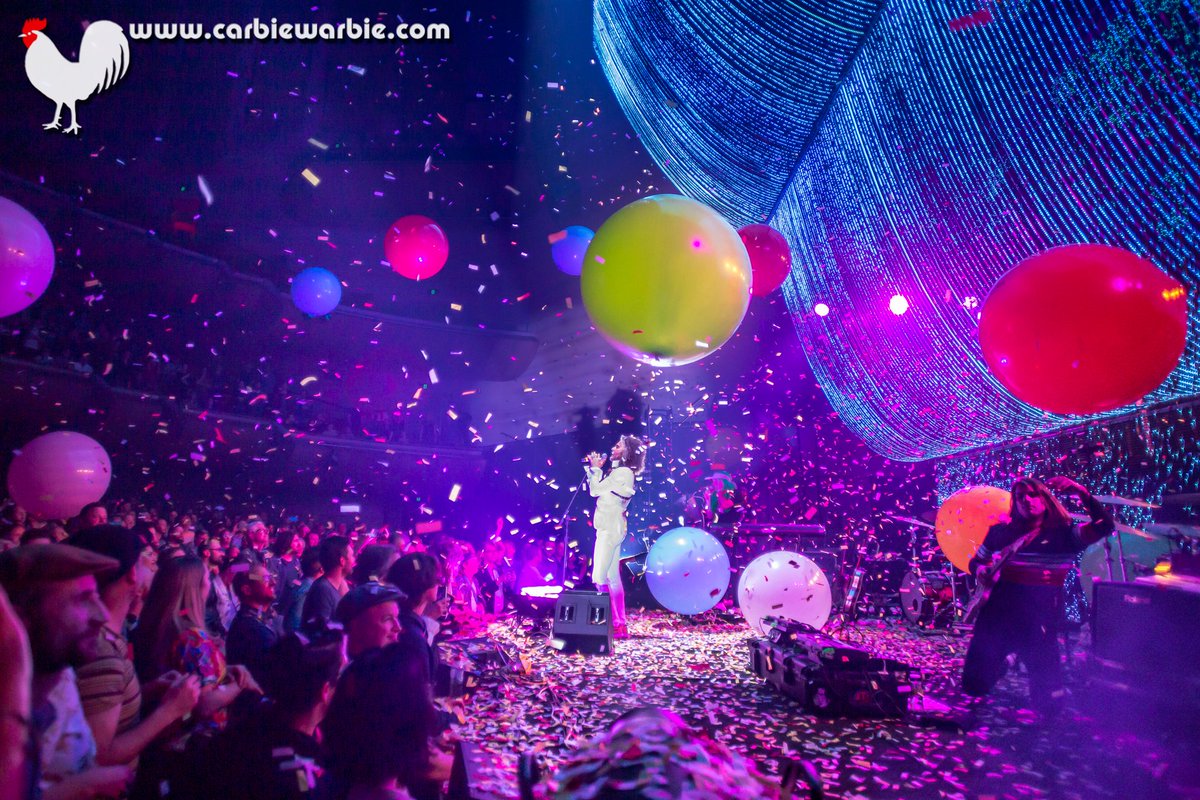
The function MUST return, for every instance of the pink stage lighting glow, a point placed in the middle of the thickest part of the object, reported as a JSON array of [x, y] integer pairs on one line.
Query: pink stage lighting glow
[[543, 592], [898, 304], [821, 310]]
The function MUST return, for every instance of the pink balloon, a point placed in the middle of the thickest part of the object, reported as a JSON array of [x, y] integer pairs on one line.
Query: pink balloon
[[416, 247], [770, 258], [26, 258], [57, 474]]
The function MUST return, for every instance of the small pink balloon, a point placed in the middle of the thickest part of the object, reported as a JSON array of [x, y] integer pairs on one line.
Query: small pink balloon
[[57, 474], [26, 258], [770, 258], [416, 247]]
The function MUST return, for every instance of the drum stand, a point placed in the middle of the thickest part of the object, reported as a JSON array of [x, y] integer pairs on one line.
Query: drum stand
[[1108, 557], [925, 599], [848, 611]]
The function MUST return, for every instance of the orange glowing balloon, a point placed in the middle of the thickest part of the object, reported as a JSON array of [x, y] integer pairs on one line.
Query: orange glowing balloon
[[963, 521]]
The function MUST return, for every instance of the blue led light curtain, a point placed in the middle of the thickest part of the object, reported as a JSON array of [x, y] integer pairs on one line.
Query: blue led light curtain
[[959, 142], [725, 94]]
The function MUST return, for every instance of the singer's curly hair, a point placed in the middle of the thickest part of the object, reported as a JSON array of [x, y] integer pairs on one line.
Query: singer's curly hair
[[635, 454]]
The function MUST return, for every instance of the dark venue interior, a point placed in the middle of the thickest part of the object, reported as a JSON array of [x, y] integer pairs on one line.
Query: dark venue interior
[[597, 399]]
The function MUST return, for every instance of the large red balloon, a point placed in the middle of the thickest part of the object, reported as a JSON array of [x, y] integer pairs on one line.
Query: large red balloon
[[416, 247], [770, 258], [1083, 328]]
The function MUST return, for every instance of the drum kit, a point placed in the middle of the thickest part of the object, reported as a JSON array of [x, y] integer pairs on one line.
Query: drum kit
[[1138, 552], [934, 598], [928, 598]]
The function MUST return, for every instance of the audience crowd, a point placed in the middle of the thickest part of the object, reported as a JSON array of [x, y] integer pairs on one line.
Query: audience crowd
[[150, 356], [194, 655]]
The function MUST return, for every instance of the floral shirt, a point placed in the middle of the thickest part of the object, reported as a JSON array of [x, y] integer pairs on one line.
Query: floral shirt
[[196, 652], [66, 742]]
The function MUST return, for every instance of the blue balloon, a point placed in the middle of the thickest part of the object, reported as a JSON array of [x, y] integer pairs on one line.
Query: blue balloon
[[316, 291], [568, 251], [688, 570]]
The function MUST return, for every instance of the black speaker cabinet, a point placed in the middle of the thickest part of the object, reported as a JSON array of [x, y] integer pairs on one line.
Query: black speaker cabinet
[[1144, 639], [583, 623]]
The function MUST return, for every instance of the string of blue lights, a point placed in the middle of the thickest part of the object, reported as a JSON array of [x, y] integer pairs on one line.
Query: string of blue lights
[[725, 95], [961, 140], [1149, 456]]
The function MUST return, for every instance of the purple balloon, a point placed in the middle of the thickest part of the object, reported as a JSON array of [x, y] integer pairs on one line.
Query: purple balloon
[[57, 474], [26, 258]]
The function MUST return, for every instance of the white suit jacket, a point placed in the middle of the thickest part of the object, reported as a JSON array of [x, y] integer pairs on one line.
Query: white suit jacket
[[613, 493]]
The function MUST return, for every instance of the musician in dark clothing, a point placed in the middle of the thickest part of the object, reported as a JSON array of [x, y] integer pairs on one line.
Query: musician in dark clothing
[[1022, 614]]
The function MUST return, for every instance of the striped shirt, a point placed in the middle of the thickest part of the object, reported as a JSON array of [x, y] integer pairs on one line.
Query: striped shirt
[[1049, 557], [109, 681]]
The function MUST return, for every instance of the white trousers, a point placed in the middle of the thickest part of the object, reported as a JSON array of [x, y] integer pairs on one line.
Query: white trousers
[[606, 565]]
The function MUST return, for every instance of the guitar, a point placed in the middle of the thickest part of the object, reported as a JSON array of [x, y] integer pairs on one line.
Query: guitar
[[989, 576]]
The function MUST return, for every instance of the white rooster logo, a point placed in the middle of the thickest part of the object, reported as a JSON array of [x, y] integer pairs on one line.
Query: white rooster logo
[[103, 60]]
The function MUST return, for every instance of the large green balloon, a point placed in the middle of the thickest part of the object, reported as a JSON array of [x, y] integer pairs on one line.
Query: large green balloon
[[666, 280]]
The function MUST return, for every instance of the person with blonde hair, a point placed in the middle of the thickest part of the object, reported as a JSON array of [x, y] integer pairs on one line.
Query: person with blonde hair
[[613, 493], [171, 638]]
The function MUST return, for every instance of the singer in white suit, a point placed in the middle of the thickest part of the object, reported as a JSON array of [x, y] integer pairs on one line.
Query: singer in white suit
[[613, 493]]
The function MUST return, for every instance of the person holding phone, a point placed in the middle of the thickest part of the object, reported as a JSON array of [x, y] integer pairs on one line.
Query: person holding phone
[[613, 493], [419, 577]]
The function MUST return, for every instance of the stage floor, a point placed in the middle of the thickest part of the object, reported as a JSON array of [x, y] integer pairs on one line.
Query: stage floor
[[701, 672]]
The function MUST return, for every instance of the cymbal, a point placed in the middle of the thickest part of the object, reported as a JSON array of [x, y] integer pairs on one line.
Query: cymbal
[[1172, 530], [1114, 500], [1121, 527], [911, 521]]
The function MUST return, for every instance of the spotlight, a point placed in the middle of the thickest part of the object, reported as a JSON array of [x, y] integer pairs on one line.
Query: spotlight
[[898, 304], [821, 310]]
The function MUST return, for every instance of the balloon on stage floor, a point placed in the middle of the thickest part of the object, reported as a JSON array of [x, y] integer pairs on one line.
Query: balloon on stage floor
[[784, 584], [687, 570]]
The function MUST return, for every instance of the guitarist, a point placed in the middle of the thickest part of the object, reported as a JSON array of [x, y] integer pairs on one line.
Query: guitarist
[[1022, 613]]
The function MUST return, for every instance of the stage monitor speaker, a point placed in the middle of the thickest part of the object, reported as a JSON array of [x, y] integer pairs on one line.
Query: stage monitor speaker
[[1144, 639], [583, 623]]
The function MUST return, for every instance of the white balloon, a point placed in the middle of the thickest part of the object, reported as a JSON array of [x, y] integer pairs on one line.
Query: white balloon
[[688, 570], [784, 584]]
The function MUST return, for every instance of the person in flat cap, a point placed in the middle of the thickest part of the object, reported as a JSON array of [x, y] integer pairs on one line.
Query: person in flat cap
[[370, 615], [53, 589], [108, 683]]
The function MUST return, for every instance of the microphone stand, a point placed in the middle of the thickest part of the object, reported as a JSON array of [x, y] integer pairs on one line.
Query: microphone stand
[[563, 523]]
